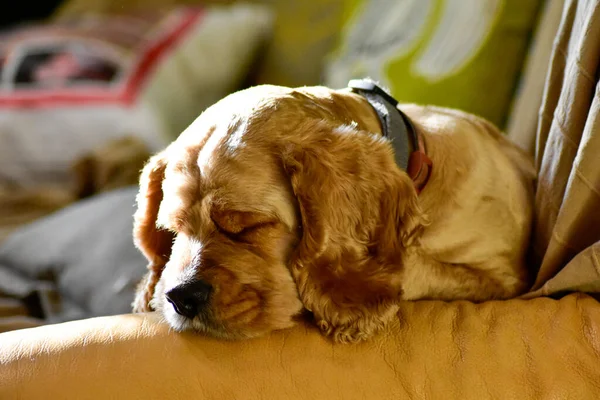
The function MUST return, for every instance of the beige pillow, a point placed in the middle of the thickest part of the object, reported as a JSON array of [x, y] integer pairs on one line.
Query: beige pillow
[[304, 32], [72, 85]]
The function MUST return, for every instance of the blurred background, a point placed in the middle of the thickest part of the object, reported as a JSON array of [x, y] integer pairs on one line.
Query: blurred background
[[90, 88]]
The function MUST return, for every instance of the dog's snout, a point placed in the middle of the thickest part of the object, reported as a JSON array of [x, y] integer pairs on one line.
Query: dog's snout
[[190, 298]]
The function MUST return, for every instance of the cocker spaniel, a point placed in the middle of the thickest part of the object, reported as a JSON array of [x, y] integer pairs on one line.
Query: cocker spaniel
[[279, 200]]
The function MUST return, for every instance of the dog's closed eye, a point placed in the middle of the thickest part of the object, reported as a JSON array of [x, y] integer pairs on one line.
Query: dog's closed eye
[[240, 226]]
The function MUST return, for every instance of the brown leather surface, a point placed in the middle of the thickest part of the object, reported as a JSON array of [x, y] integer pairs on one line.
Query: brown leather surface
[[519, 349]]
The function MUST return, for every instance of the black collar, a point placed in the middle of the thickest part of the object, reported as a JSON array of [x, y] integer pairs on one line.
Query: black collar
[[409, 148]]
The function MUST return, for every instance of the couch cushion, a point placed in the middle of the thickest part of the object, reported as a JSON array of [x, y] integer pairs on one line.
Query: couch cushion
[[71, 85], [303, 33], [518, 349], [462, 54]]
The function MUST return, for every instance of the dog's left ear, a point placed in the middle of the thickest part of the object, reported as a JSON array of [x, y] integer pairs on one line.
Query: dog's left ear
[[359, 211]]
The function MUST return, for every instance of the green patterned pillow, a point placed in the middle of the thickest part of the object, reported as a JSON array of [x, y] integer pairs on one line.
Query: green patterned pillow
[[465, 54]]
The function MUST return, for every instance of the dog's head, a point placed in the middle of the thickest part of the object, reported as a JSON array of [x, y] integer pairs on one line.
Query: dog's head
[[272, 201]]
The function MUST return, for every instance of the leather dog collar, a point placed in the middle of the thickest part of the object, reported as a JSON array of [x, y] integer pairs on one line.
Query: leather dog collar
[[409, 147]]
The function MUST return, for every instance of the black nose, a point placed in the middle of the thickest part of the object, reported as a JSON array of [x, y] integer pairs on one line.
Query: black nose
[[189, 298]]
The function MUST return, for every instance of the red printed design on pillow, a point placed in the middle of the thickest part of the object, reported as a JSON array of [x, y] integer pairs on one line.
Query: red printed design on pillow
[[94, 59]]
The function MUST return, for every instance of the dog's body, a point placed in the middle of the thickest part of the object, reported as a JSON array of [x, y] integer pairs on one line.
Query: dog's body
[[280, 199], [479, 202]]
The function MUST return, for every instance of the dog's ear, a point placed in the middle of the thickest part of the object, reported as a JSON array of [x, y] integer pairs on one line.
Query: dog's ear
[[359, 211], [153, 242]]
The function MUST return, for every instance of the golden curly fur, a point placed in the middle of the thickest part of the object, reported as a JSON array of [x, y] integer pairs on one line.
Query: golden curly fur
[[289, 199]]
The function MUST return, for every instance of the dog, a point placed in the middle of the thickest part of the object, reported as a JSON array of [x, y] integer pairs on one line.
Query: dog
[[278, 202]]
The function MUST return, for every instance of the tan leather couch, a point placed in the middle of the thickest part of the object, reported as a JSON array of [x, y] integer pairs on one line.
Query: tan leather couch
[[518, 349]]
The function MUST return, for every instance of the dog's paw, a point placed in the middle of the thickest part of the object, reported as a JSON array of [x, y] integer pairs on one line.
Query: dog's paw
[[353, 332], [141, 303], [357, 328]]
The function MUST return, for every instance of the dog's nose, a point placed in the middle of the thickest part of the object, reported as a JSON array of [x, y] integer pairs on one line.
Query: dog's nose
[[189, 298]]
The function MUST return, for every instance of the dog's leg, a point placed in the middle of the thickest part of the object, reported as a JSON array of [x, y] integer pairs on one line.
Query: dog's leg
[[446, 281]]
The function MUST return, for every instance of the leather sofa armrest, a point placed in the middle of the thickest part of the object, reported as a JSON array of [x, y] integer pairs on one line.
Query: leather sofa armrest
[[539, 348]]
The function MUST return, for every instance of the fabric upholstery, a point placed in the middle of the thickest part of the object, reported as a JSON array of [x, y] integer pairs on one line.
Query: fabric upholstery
[[536, 349], [437, 52], [566, 237], [303, 33], [115, 164], [161, 69], [522, 120], [79, 262]]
